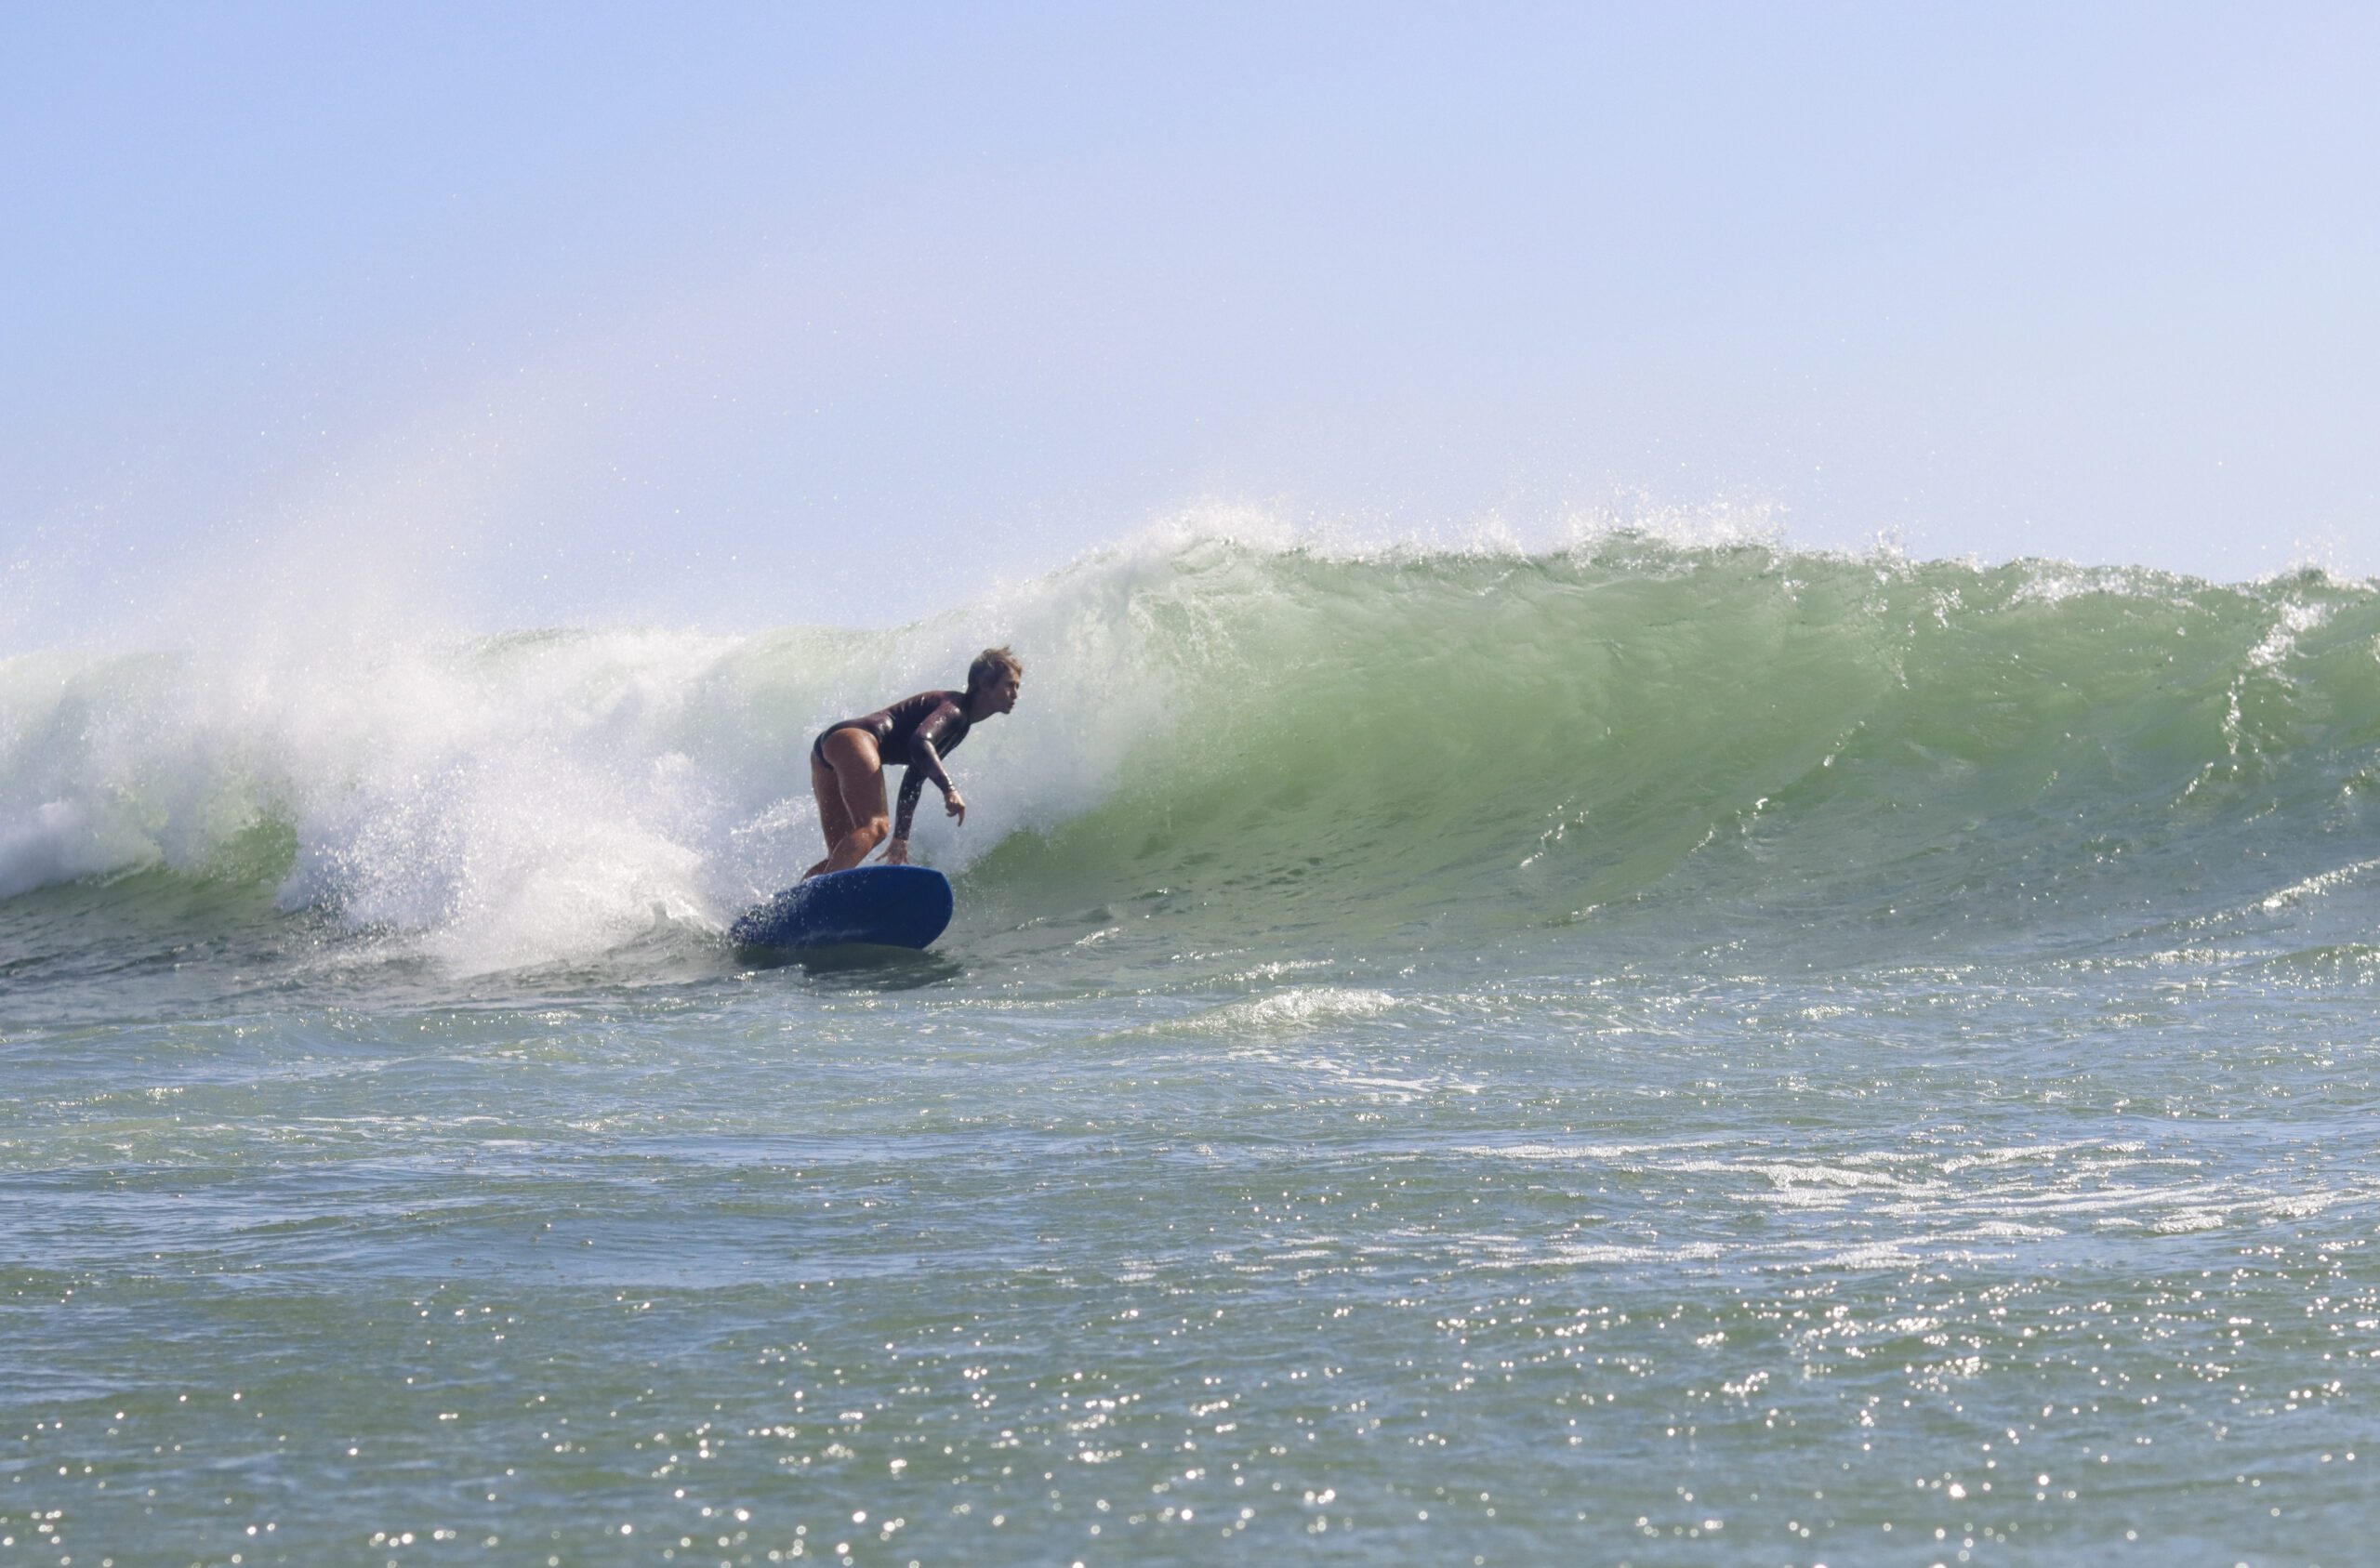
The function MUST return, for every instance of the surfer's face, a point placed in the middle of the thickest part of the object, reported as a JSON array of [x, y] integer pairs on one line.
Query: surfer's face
[[996, 696]]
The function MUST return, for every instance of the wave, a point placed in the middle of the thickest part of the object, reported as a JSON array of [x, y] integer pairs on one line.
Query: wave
[[1232, 735]]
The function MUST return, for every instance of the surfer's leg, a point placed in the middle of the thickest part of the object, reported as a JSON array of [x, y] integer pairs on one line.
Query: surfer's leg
[[859, 773], [834, 821]]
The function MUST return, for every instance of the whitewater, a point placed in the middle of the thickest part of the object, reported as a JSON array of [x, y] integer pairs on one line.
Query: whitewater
[[1640, 1050]]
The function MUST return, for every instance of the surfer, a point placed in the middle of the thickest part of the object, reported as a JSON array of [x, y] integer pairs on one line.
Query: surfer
[[847, 762]]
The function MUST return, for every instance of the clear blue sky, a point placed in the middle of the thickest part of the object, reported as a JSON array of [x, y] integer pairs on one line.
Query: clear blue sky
[[747, 315]]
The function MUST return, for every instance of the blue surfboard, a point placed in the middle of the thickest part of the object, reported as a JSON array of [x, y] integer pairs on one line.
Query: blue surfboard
[[897, 905]]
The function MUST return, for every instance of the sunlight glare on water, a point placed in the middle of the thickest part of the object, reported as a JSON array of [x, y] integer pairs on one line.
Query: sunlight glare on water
[[1942, 1133]]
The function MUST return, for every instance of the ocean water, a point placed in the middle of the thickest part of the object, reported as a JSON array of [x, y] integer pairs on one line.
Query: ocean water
[[1640, 1053]]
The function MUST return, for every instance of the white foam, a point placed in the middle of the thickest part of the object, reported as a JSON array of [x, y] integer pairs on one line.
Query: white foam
[[1297, 1008], [537, 795], [2316, 886], [60, 841]]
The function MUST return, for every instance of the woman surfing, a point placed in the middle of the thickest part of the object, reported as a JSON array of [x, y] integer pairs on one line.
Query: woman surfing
[[847, 761]]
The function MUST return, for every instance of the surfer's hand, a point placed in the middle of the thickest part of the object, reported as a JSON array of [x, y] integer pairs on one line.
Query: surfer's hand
[[896, 851], [956, 806]]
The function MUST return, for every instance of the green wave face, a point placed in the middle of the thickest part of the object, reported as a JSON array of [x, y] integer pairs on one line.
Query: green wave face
[[1751, 738]]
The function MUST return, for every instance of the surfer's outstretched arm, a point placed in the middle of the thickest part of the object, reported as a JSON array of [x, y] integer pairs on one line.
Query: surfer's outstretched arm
[[925, 763], [896, 852]]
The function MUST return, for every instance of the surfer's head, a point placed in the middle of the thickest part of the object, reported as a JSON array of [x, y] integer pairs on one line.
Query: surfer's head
[[992, 681]]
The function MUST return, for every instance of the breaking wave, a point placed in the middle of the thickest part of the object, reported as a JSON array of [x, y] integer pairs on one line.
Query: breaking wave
[[1265, 737]]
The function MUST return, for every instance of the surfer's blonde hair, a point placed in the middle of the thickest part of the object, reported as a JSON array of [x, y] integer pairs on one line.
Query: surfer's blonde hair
[[990, 664]]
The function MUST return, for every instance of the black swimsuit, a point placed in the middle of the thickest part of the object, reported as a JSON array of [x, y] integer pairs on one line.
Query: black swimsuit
[[915, 730]]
